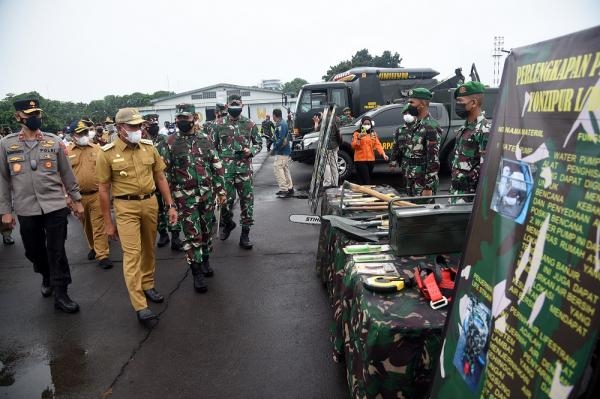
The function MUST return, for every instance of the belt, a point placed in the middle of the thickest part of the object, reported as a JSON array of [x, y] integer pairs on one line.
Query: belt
[[134, 197], [88, 192], [415, 161]]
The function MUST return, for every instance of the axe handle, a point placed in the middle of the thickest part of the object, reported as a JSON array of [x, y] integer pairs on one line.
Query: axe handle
[[366, 208], [366, 190]]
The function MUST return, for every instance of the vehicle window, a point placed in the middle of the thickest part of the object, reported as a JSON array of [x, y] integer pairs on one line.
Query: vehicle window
[[435, 112], [338, 97], [389, 117], [312, 99]]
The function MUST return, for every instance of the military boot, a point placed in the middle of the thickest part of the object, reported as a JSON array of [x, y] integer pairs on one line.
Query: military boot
[[62, 300], [226, 230], [206, 269], [176, 243], [244, 239], [163, 238], [199, 282]]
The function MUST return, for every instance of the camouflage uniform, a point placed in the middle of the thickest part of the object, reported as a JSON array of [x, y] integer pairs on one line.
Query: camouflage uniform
[[469, 150], [195, 173], [268, 129], [400, 139], [422, 156], [230, 138]]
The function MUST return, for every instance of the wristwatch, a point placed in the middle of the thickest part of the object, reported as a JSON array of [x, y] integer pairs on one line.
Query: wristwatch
[[171, 206]]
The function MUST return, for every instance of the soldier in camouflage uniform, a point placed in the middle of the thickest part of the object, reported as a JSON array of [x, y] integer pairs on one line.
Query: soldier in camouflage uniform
[[195, 174], [471, 139], [150, 131], [237, 140], [400, 139], [268, 131], [422, 147], [346, 118]]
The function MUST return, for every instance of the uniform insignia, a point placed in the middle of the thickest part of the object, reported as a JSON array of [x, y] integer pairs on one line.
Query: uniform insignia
[[108, 146], [462, 89], [48, 164], [123, 173], [32, 103], [17, 167], [15, 159], [146, 141], [72, 156], [14, 147], [118, 159]]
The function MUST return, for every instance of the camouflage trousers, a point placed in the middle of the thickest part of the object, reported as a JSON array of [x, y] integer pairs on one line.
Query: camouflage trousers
[[460, 184], [196, 215], [240, 183], [163, 220], [415, 181]]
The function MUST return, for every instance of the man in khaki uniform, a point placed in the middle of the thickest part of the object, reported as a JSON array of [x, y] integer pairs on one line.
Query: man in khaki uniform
[[133, 169], [83, 154]]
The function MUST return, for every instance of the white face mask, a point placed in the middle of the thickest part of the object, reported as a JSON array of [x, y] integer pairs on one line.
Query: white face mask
[[92, 134], [408, 118], [366, 127], [134, 137], [82, 141]]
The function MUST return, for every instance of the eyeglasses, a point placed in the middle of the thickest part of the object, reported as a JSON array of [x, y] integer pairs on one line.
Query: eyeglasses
[[33, 163]]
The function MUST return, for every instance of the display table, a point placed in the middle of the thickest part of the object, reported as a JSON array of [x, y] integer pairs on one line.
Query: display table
[[390, 343]]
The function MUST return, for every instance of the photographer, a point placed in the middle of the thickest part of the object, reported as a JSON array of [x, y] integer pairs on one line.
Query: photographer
[[364, 143]]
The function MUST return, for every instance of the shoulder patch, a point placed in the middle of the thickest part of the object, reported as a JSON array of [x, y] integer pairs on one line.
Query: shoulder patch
[[146, 141], [108, 146]]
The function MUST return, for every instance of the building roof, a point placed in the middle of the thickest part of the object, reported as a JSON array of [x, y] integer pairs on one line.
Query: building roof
[[218, 85]]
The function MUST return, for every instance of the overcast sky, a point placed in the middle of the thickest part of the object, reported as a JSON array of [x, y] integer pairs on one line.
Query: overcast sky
[[81, 50]]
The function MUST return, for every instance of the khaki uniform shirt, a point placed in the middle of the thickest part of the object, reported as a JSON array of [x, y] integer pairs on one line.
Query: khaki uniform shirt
[[34, 172], [83, 161], [129, 169]]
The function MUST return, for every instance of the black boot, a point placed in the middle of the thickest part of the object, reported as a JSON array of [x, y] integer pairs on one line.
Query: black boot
[[206, 269], [62, 300], [199, 282], [163, 238], [176, 243], [46, 289], [226, 230], [244, 239]]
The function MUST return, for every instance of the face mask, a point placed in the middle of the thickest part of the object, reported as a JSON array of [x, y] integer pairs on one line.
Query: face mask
[[408, 118], [461, 110], [33, 123], [82, 141], [92, 134], [234, 111], [110, 128], [134, 137], [153, 130], [185, 126], [412, 110], [366, 127]]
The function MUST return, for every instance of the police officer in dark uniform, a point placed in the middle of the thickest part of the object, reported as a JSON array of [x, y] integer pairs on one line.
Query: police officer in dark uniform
[[35, 172]]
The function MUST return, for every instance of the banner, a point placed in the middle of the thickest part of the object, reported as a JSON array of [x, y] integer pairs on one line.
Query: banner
[[525, 320]]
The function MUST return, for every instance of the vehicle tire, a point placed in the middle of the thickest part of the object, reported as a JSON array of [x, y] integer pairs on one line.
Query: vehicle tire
[[345, 165]]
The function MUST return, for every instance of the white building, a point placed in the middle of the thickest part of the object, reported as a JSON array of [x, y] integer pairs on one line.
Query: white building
[[257, 102]]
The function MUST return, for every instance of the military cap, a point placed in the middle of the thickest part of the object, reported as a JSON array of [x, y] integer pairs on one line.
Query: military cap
[[151, 118], [87, 121], [28, 106], [185, 109], [130, 116], [233, 97], [420, 93], [80, 127], [346, 109], [220, 106], [109, 120], [469, 88]]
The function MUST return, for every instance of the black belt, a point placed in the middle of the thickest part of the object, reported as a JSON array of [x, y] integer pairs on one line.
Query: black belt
[[88, 192], [134, 197], [415, 161]]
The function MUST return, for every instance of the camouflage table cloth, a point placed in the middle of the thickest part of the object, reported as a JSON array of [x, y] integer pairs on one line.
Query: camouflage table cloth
[[390, 342]]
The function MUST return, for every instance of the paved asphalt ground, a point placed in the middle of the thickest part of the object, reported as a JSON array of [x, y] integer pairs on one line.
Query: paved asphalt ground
[[261, 331]]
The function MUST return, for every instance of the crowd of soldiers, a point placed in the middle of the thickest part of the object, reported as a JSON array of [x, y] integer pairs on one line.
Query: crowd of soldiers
[[185, 182]]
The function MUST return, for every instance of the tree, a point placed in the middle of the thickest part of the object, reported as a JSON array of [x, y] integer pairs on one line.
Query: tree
[[363, 58], [294, 86]]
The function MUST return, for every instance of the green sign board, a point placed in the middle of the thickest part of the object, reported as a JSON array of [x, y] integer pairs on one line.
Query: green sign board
[[525, 317]]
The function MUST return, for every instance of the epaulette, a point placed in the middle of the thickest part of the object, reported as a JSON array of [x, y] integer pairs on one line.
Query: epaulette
[[108, 146], [146, 141]]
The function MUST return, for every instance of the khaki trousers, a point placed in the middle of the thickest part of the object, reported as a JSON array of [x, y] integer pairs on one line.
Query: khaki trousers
[[93, 225], [136, 224], [281, 169]]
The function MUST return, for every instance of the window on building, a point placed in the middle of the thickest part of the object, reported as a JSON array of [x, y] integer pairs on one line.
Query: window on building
[[210, 94], [245, 93], [197, 97], [233, 91]]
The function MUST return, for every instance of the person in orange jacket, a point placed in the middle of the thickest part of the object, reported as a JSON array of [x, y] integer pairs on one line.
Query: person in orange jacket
[[364, 144]]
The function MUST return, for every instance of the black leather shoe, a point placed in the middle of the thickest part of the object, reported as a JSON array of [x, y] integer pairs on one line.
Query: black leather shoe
[[66, 304], [47, 290], [146, 317], [199, 282], [163, 239], [206, 269], [105, 263], [226, 231], [154, 295], [91, 255], [7, 238], [176, 243], [245, 239]]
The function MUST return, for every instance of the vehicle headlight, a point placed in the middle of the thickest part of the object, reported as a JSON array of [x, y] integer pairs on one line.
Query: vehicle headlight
[[310, 141]]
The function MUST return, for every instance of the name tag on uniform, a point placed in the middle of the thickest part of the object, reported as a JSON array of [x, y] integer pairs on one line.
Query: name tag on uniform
[[118, 159], [72, 156]]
